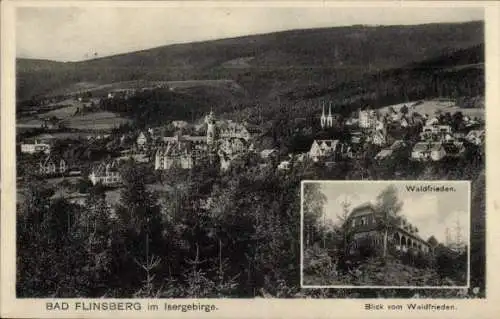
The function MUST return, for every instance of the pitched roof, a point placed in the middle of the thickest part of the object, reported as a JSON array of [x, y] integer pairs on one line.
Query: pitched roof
[[174, 139], [327, 144], [384, 154], [110, 165], [175, 148], [475, 134], [421, 147], [452, 148], [397, 144], [435, 146], [358, 210], [198, 139], [427, 147], [266, 153], [50, 159]]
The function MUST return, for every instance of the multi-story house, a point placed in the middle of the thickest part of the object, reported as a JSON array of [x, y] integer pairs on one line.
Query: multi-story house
[[428, 151], [106, 173], [50, 166], [333, 149], [367, 119], [475, 137], [199, 142], [388, 152], [180, 124], [270, 153], [178, 152], [285, 165], [454, 148], [34, 148], [142, 141], [379, 136], [230, 130], [435, 132], [362, 221]]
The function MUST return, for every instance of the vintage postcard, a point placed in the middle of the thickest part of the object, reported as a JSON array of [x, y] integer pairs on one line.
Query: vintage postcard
[[249, 159]]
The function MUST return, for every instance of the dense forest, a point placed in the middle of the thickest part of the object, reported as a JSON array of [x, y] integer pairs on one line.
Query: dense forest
[[210, 235]]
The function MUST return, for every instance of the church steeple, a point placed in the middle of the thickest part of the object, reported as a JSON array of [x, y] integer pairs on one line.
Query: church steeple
[[323, 117], [210, 120], [329, 119]]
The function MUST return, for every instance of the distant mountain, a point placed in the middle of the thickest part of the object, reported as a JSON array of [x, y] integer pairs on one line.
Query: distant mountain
[[462, 70], [263, 65]]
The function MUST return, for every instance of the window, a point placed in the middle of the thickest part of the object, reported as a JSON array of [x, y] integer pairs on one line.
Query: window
[[353, 222]]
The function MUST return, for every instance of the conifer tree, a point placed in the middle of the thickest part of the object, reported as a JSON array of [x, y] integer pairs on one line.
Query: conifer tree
[[387, 210]]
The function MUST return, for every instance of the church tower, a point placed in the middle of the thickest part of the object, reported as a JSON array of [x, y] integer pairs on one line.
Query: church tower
[[210, 120], [323, 117], [329, 119]]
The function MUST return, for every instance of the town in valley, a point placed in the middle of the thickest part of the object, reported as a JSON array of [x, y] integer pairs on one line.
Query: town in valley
[[398, 132]]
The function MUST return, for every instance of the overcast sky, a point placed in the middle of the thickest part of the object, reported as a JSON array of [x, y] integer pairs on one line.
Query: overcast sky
[[76, 33], [432, 213]]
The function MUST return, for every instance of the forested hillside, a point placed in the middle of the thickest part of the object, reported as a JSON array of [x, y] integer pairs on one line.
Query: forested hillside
[[265, 65], [208, 235]]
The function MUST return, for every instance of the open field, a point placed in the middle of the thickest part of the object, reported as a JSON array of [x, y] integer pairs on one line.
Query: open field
[[65, 112], [210, 83], [242, 62], [89, 122], [430, 107], [96, 121], [102, 89], [99, 89]]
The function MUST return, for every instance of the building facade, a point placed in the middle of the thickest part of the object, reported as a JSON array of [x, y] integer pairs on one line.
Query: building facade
[[333, 149], [435, 133], [142, 141], [225, 140], [50, 166], [106, 173], [428, 151], [178, 153], [476, 137], [35, 148], [403, 236], [367, 119]]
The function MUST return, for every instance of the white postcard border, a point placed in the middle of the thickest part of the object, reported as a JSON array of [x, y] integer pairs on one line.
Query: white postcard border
[[11, 307]]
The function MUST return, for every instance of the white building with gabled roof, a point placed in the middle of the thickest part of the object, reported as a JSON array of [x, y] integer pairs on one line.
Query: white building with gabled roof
[[178, 152], [321, 149], [51, 166], [141, 140], [428, 151], [367, 119], [106, 173], [476, 137], [34, 148]]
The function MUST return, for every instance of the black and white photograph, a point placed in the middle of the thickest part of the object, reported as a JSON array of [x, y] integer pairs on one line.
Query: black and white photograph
[[402, 234], [160, 150]]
